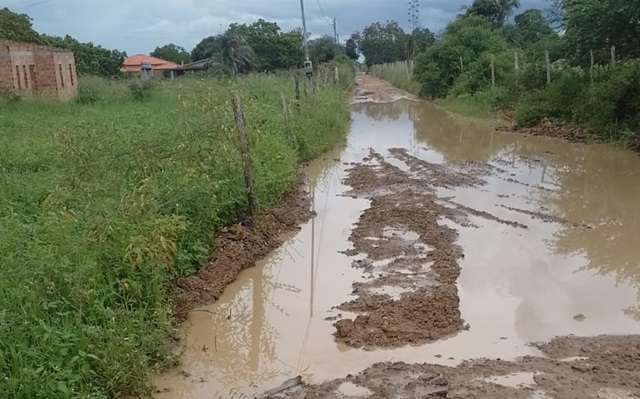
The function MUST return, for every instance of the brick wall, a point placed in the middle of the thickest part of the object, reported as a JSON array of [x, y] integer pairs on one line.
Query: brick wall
[[31, 69]]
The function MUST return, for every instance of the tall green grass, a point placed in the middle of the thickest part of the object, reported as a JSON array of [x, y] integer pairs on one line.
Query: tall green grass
[[480, 105], [397, 75], [106, 200]]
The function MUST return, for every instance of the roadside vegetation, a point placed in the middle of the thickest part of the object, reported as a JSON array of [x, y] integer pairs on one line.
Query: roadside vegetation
[[106, 200], [454, 69]]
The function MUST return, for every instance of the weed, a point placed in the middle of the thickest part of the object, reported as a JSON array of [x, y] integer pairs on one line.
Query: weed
[[102, 207], [397, 75], [142, 90]]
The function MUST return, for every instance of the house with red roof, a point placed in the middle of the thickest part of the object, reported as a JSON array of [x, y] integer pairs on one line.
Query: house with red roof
[[133, 65]]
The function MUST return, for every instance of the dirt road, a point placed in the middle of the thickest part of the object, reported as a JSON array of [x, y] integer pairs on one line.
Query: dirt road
[[445, 260]]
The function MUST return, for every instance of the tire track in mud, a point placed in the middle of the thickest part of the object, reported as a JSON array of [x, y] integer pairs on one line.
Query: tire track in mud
[[411, 259], [573, 368]]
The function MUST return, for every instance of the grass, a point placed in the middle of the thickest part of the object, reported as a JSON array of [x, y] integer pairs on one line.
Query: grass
[[397, 75], [479, 105], [104, 203]]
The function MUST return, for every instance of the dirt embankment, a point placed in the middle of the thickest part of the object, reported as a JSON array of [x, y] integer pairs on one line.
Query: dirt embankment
[[239, 246], [550, 127]]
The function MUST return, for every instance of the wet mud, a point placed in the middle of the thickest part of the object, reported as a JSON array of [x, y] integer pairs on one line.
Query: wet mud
[[407, 250], [442, 258], [573, 368], [552, 127]]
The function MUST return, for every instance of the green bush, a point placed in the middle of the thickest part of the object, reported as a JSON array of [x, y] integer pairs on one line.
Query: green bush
[[9, 96], [102, 207], [471, 38], [531, 109], [142, 90], [614, 101]]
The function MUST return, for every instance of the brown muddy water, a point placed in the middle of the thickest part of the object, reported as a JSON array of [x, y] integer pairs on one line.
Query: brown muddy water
[[574, 269]]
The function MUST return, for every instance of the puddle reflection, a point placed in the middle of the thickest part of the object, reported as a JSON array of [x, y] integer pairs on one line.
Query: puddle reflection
[[516, 285]]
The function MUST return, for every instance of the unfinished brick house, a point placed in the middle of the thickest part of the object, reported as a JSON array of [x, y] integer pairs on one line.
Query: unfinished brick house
[[37, 70]]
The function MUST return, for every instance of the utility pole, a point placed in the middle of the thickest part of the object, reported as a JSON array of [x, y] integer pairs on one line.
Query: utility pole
[[304, 32], [308, 67], [335, 31]]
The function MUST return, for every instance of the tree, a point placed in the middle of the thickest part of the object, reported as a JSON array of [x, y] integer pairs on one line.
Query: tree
[[272, 49], [495, 11], [208, 47], [17, 27], [472, 38], [90, 59], [530, 27], [351, 49], [237, 54], [421, 39], [382, 43], [490, 9], [509, 6], [324, 50], [173, 53], [599, 24]]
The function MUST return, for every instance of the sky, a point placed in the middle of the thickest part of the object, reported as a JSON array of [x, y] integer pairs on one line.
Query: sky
[[137, 26]]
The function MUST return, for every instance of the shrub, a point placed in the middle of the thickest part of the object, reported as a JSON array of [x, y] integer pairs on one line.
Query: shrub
[[9, 96], [142, 90]]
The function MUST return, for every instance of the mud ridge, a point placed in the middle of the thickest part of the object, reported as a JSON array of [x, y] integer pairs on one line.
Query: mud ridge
[[411, 259], [553, 127], [575, 368], [239, 246]]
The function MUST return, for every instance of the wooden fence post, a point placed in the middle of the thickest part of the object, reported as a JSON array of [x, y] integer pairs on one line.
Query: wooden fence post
[[336, 75], [493, 72], [297, 92], [241, 129], [548, 62], [287, 124], [517, 69], [592, 65]]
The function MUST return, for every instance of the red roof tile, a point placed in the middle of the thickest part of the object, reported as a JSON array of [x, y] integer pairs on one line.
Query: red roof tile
[[132, 64]]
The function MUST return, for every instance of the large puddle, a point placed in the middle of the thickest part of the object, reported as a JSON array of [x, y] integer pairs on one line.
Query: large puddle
[[577, 273]]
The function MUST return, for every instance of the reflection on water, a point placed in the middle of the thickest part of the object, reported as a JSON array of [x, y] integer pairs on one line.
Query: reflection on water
[[516, 286]]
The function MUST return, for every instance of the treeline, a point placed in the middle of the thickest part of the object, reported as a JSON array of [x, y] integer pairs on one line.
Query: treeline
[[91, 59], [261, 46], [381, 43], [541, 62], [258, 47]]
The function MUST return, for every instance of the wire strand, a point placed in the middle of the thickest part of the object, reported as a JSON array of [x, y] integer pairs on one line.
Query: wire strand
[[326, 19], [32, 5]]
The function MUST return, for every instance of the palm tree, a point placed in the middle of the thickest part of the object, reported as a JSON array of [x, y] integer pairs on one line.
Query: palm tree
[[509, 6], [237, 53]]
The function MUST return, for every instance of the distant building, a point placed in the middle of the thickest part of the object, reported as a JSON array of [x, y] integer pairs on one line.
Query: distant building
[[196, 66], [33, 69], [133, 65]]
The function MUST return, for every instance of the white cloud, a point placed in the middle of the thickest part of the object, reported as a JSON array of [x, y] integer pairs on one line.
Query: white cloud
[[138, 27]]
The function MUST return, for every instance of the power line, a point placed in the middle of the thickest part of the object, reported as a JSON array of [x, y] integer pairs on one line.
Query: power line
[[326, 19], [32, 5]]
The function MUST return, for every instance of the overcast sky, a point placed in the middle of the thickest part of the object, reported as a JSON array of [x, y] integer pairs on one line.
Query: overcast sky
[[138, 26]]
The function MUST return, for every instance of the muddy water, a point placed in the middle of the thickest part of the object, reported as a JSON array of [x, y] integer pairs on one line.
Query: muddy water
[[574, 271]]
